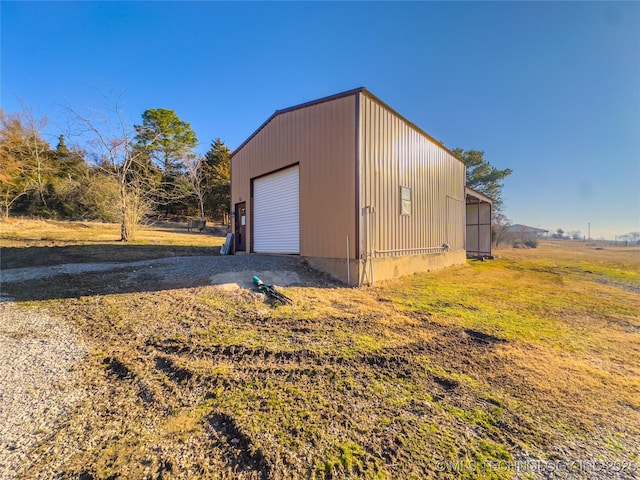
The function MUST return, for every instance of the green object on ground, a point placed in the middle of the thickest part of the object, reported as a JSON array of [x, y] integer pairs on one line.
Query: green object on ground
[[271, 292]]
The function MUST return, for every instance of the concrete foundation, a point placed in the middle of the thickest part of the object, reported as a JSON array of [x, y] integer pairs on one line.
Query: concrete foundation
[[387, 267], [337, 268]]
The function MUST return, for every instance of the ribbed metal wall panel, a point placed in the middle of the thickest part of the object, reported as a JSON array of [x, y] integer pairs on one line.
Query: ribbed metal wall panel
[[394, 153], [321, 138], [276, 216]]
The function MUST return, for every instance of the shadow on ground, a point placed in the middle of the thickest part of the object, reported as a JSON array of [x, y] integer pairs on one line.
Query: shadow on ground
[[23, 257]]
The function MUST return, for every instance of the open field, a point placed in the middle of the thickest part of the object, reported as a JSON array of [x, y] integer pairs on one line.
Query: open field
[[522, 367], [27, 243]]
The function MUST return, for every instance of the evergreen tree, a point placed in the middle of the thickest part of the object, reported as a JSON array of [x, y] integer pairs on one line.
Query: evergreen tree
[[218, 175], [62, 147], [67, 183], [166, 138], [483, 177], [167, 142]]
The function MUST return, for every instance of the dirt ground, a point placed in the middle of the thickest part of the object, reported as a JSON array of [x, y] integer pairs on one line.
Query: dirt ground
[[527, 366]]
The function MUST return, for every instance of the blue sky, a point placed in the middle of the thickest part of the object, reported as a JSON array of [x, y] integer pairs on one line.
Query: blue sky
[[548, 89]]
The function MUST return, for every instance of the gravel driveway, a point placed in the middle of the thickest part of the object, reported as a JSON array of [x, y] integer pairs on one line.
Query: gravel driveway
[[82, 279], [38, 380], [175, 267]]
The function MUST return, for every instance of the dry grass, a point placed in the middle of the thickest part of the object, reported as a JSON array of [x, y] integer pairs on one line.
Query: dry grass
[[28, 243], [21, 232], [531, 356]]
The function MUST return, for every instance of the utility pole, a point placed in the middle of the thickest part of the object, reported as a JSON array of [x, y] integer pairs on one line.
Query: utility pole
[[589, 230]]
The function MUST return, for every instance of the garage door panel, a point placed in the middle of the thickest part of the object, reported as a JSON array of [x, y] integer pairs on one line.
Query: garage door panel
[[276, 212]]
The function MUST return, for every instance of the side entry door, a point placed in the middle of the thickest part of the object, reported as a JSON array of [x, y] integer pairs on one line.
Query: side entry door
[[241, 227]]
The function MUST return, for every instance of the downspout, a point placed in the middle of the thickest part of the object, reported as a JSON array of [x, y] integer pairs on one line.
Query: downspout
[[348, 266], [358, 199], [372, 212]]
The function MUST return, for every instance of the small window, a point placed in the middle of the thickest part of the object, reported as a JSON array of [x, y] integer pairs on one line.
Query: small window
[[405, 201]]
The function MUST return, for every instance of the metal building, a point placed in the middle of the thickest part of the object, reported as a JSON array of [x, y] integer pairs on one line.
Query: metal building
[[478, 242], [355, 188]]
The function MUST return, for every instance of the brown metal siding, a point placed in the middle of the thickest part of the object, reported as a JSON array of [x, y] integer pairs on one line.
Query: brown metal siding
[[395, 153], [321, 138]]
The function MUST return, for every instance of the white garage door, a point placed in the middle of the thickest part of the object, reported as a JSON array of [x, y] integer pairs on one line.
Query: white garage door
[[276, 212]]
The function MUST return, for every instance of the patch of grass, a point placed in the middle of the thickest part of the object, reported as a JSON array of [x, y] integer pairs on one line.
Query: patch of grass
[[518, 301], [350, 459]]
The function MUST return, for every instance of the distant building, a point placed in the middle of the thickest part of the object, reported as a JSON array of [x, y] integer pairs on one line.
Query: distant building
[[355, 188], [524, 233]]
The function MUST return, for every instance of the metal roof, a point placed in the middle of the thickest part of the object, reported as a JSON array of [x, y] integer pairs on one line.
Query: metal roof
[[481, 197], [517, 228], [334, 97]]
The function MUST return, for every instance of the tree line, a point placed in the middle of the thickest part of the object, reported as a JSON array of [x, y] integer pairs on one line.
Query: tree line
[[121, 173], [126, 174]]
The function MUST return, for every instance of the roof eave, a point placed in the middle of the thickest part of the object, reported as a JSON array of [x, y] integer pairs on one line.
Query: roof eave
[[480, 196], [297, 107]]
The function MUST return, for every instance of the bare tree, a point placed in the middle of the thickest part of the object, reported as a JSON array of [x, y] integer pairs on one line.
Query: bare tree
[[36, 148], [197, 181], [125, 166], [633, 237], [500, 229], [23, 160]]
